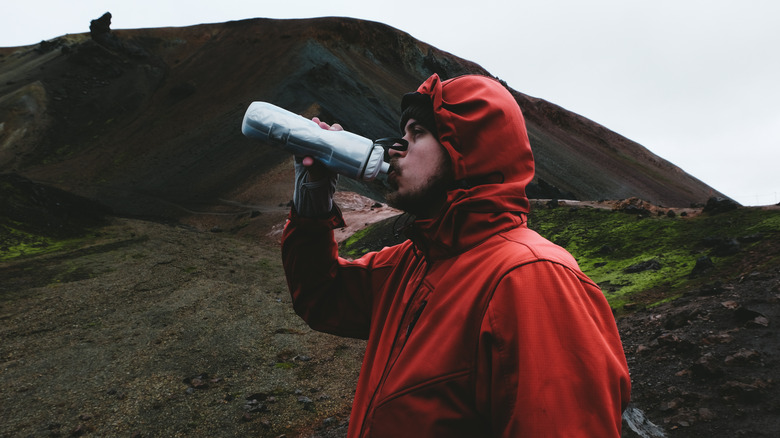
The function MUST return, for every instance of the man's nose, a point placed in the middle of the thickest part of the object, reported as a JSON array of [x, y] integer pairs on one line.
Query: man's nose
[[392, 153]]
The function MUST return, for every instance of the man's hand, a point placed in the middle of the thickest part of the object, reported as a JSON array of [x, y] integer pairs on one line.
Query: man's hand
[[315, 184], [323, 125], [317, 171]]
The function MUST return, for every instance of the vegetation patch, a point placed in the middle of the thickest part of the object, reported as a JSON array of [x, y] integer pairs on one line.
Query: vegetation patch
[[628, 254], [638, 260], [373, 238], [15, 243], [37, 219], [353, 248]]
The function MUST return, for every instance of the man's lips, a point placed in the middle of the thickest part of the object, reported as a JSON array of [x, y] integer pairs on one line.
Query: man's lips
[[393, 173], [392, 176]]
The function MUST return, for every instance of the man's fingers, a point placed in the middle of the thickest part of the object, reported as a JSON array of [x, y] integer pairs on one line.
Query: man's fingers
[[323, 125]]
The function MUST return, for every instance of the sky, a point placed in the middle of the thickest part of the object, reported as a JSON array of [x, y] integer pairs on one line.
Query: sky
[[695, 82]]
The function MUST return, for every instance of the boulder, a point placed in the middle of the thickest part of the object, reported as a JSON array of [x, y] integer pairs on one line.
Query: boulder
[[703, 264], [100, 28], [647, 265], [720, 205]]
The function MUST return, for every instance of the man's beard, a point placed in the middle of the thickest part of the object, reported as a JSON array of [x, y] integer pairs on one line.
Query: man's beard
[[421, 201]]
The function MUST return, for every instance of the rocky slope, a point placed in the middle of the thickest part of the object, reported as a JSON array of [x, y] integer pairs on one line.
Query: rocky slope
[[117, 325], [147, 121], [126, 327]]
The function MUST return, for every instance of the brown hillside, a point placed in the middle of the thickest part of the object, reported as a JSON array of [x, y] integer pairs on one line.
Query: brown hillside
[[120, 326], [147, 121]]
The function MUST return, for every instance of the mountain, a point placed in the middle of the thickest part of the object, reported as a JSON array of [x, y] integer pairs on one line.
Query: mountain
[[147, 121], [121, 326]]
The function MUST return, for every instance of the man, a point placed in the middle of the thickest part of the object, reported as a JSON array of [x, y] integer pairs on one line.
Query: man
[[476, 325]]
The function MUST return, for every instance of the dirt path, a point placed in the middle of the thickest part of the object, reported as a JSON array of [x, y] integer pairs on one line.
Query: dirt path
[[157, 330]]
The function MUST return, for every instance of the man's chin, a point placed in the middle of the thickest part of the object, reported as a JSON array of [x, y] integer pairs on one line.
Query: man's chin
[[421, 203], [399, 201], [415, 205], [391, 196]]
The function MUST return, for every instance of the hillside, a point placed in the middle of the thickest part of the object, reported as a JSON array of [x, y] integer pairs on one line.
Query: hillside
[[126, 327], [147, 121], [141, 288]]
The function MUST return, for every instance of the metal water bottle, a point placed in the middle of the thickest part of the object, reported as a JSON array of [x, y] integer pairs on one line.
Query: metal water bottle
[[343, 152]]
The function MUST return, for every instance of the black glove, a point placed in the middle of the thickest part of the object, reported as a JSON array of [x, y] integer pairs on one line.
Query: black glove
[[313, 199]]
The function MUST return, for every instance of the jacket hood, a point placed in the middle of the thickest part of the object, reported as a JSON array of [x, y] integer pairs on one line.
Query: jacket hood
[[481, 126]]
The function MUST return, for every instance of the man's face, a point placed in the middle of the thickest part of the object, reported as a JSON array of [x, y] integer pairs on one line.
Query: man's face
[[420, 176]]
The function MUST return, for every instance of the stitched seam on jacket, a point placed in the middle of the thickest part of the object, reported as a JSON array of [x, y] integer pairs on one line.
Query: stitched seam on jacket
[[430, 382], [533, 257]]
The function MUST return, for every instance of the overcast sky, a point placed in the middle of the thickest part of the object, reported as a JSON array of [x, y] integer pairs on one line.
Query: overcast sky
[[696, 82]]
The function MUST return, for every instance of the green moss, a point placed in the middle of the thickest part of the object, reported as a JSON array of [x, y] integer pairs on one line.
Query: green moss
[[372, 238], [17, 241], [606, 243], [353, 246], [664, 300]]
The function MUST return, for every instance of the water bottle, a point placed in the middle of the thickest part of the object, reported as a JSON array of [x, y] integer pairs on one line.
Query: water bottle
[[343, 152]]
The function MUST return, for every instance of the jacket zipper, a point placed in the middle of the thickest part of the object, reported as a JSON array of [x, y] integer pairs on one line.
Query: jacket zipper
[[389, 366], [414, 320]]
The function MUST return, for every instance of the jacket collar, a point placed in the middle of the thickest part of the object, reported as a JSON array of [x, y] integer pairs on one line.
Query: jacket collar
[[468, 218]]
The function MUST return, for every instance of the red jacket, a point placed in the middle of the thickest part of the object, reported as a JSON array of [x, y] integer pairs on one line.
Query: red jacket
[[476, 326]]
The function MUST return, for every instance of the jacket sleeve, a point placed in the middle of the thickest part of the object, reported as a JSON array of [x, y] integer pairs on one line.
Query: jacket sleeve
[[332, 294], [551, 363]]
